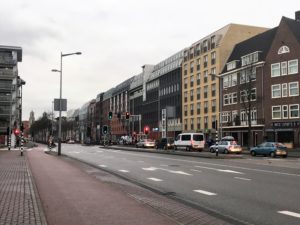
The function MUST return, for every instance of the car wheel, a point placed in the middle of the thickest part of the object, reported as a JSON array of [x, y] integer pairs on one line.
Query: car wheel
[[253, 153], [211, 150], [226, 151], [284, 156], [272, 154]]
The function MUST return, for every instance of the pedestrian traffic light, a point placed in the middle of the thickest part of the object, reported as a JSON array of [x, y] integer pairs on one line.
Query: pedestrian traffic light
[[127, 115], [110, 115], [105, 129]]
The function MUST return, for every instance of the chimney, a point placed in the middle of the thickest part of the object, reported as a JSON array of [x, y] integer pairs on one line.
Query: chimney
[[297, 16]]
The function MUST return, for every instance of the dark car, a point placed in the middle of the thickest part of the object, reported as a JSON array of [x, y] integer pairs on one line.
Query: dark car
[[272, 149], [165, 143]]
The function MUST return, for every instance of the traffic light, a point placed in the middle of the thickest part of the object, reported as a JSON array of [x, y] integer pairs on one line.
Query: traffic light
[[110, 115], [146, 130], [105, 129], [16, 132], [127, 115]]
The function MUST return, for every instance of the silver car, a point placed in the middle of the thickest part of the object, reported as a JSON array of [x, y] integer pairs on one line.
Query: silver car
[[226, 147], [145, 143]]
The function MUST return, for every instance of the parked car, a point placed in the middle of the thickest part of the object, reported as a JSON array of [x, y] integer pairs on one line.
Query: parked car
[[165, 143], [145, 143], [272, 149], [71, 141], [228, 138], [190, 141], [226, 147]]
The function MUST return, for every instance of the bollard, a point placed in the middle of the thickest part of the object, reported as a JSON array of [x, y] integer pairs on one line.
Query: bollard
[[9, 144], [217, 145], [22, 141]]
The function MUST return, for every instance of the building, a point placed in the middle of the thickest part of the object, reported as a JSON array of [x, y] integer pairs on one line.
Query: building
[[10, 91], [200, 88], [261, 87]]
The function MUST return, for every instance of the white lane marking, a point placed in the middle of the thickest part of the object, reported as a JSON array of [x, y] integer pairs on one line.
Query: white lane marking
[[205, 192], [220, 170], [214, 164], [230, 171], [99, 151], [74, 152], [154, 179], [170, 171], [289, 213], [242, 178], [124, 171], [103, 166], [180, 172], [150, 168], [196, 170]]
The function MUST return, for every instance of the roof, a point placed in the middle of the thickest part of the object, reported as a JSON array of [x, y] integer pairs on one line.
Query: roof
[[294, 25], [261, 42], [13, 48]]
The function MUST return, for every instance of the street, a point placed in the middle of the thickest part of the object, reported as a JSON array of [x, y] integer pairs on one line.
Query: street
[[257, 190]]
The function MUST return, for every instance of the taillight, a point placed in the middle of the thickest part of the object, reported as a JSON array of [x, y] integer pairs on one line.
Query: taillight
[[192, 142]]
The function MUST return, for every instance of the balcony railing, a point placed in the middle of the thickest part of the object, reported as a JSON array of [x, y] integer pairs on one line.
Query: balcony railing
[[7, 87], [4, 72]]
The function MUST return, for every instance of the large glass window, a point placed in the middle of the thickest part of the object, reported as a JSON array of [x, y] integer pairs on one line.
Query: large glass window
[[276, 112], [293, 89], [284, 90], [293, 66], [285, 112], [275, 70], [283, 68], [276, 91], [294, 111]]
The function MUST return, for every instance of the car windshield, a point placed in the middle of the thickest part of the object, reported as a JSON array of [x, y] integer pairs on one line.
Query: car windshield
[[198, 137]]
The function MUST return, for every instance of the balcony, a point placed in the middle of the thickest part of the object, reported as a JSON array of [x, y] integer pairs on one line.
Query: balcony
[[7, 87], [6, 73]]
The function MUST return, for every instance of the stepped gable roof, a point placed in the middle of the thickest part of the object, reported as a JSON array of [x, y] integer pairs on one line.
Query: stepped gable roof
[[260, 42]]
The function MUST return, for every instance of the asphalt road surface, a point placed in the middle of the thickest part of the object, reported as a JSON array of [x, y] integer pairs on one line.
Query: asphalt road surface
[[257, 190]]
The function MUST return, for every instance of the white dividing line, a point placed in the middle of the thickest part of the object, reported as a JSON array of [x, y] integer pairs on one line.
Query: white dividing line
[[180, 172], [170, 171], [150, 168], [205, 192], [289, 213], [154, 179], [199, 171], [242, 178], [102, 166], [230, 171], [220, 170], [124, 171]]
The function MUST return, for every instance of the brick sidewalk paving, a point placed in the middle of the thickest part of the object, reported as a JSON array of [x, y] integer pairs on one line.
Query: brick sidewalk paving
[[19, 203]]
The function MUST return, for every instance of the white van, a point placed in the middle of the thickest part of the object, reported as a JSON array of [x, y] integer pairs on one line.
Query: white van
[[190, 141]]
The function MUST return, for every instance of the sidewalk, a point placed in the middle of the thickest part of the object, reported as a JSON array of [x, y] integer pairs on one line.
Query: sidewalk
[[18, 202]]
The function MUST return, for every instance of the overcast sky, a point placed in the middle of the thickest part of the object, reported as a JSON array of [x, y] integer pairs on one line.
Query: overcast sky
[[116, 37]]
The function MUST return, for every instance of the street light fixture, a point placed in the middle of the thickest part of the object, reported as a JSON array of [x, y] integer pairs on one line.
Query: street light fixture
[[60, 95]]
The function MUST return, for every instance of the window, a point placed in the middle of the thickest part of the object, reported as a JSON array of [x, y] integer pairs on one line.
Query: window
[[192, 81], [192, 123], [205, 61], [185, 110], [294, 111], [275, 70], [276, 91], [213, 90], [198, 78], [226, 99], [198, 93], [198, 64], [213, 72], [231, 65], [205, 76], [192, 109], [192, 67], [205, 107], [293, 89], [284, 90], [185, 124], [185, 69], [192, 95], [276, 112], [213, 58], [205, 91], [185, 82], [198, 108], [234, 98], [213, 41], [213, 105], [293, 66], [205, 46], [250, 58], [185, 95], [198, 123], [285, 113], [283, 68]]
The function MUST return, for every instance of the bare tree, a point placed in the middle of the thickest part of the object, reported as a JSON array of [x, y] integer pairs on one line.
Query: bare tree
[[248, 96]]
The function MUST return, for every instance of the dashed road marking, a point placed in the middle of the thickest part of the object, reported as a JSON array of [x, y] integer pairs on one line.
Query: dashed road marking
[[205, 192], [289, 213], [180, 172], [170, 171], [150, 168], [242, 178], [196, 170], [229, 171], [124, 171], [154, 179], [103, 166]]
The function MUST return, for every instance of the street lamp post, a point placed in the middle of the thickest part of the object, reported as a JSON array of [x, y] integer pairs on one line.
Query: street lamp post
[[60, 97]]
